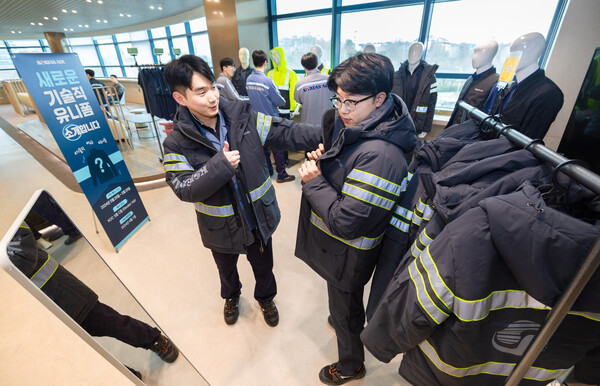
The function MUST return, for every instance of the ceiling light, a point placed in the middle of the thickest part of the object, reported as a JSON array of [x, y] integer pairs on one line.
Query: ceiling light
[[19, 31], [32, 23], [128, 15], [151, 7], [54, 18], [98, 21], [64, 11], [74, 10], [40, 23], [12, 32], [70, 29], [160, 8], [65, 29], [121, 15], [86, 26], [100, 2], [105, 21], [46, 18], [80, 26], [88, 1]]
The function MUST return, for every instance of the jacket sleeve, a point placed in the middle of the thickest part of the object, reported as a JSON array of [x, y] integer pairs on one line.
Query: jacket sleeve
[[232, 93], [280, 133], [193, 185], [367, 197], [275, 95], [413, 305], [433, 92], [297, 95]]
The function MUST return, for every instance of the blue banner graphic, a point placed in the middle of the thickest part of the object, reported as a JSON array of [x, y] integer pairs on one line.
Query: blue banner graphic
[[63, 94]]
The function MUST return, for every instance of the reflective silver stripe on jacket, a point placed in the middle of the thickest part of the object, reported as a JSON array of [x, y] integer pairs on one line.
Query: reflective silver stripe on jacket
[[407, 214], [433, 88], [261, 190], [366, 196], [256, 84], [45, 272], [493, 368], [424, 238], [405, 182], [178, 166], [364, 243], [421, 109], [401, 225], [437, 315], [263, 125], [215, 211], [376, 181], [174, 162], [174, 157]]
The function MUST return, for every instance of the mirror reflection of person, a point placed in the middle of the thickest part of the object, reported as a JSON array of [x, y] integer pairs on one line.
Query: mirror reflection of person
[[79, 301], [46, 208]]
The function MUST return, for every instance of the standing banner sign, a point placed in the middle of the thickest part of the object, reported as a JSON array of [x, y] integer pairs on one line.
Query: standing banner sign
[[63, 94]]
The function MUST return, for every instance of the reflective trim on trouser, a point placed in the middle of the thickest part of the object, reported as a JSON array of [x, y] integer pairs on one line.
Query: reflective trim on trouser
[[45, 272], [364, 243], [216, 211], [492, 368]]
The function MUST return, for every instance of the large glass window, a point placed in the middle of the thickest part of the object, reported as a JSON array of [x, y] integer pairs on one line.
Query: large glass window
[[109, 55], [182, 44], [297, 36], [289, 6], [451, 37], [158, 32], [198, 25], [202, 47], [373, 27], [177, 29], [87, 55]]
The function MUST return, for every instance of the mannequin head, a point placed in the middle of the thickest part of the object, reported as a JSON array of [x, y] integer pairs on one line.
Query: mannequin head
[[369, 49], [483, 54], [318, 51], [414, 53], [276, 57], [531, 46], [244, 55]]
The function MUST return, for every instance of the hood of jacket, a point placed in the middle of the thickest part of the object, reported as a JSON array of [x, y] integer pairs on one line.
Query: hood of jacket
[[282, 62], [390, 122], [541, 246]]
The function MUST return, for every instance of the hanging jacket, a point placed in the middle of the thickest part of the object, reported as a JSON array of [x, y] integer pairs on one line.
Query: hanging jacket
[[532, 107], [70, 294], [475, 91], [345, 211], [239, 79], [200, 174], [465, 311], [423, 107], [285, 79]]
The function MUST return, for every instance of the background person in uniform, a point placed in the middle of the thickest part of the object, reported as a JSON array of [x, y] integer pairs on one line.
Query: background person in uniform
[[312, 92]]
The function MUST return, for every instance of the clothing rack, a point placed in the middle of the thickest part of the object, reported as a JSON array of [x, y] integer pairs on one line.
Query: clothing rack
[[152, 65], [585, 177]]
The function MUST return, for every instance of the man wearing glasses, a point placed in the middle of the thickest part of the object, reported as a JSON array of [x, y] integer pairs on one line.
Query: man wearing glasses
[[352, 184]]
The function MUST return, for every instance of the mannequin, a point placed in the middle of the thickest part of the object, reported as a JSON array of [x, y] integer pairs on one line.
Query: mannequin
[[242, 72], [369, 48], [416, 84], [477, 87], [533, 101], [285, 79], [318, 50]]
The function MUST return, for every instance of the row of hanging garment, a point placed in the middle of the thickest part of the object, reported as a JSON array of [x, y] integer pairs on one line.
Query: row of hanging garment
[[493, 242], [158, 96]]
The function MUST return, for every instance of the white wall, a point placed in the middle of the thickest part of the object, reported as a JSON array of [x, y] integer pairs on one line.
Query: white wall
[[253, 29], [578, 37]]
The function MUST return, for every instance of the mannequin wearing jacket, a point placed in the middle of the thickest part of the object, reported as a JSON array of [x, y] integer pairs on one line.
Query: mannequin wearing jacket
[[351, 187], [477, 87], [285, 79], [242, 72], [416, 84], [318, 50], [532, 101]]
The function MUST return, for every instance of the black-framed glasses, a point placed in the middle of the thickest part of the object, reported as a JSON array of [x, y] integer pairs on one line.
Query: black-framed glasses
[[349, 103]]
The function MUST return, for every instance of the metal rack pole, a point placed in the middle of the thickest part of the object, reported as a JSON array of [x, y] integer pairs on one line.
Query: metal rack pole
[[587, 268]]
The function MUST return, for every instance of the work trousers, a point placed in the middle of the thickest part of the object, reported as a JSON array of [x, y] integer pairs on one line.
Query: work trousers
[[105, 321], [265, 288], [348, 314]]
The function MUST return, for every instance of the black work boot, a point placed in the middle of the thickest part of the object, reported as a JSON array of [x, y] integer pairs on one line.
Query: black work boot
[[165, 349], [231, 311], [270, 313], [330, 375]]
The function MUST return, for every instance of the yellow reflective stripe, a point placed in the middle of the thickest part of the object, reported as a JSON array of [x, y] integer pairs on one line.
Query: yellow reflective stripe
[[261, 190], [424, 238], [403, 212], [45, 272], [215, 211], [588, 315], [437, 315], [401, 225], [376, 181], [263, 125], [364, 243], [440, 288], [366, 196], [415, 251], [178, 166], [492, 368], [174, 157]]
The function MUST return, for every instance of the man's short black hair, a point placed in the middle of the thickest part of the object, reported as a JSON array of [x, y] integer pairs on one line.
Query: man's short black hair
[[226, 62], [116, 77], [179, 72], [259, 57], [309, 61], [90, 72], [363, 74]]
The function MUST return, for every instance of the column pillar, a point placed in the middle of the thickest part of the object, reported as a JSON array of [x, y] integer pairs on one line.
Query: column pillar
[[221, 21], [57, 42]]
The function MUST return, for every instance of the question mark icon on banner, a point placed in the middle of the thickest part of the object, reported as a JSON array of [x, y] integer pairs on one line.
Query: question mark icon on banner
[[98, 161]]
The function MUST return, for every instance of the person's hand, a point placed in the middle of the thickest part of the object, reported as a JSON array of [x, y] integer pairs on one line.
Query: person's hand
[[315, 154], [309, 171], [232, 156]]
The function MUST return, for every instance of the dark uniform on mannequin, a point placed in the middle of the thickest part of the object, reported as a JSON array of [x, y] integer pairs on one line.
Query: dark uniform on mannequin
[[477, 86], [241, 73], [79, 301], [416, 84], [532, 101], [351, 187]]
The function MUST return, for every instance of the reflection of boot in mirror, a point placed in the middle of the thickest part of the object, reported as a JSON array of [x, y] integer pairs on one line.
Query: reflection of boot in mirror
[[72, 238], [135, 372], [165, 349]]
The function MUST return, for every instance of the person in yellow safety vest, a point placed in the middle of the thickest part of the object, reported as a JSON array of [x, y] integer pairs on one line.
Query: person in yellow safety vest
[[285, 79]]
